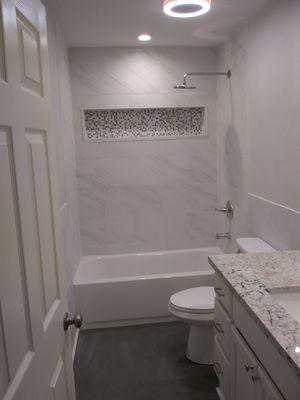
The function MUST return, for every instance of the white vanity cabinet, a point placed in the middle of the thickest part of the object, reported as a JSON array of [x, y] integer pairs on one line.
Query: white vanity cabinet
[[222, 324], [249, 381], [246, 362], [266, 389], [244, 370]]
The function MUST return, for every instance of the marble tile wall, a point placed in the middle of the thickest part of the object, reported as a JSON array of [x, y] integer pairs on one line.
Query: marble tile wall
[[258, 135], [276, 223], [144, 195], [233, 137]]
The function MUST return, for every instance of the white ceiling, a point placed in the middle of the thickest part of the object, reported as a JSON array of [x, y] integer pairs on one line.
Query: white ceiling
[[118, 22]]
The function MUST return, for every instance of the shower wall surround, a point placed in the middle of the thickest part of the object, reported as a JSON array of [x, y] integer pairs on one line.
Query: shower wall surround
[[258, 128], [144, 195], [144, 123]]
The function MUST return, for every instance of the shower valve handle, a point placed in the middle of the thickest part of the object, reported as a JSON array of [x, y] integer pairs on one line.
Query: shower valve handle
[[224, 210], [228, 210]]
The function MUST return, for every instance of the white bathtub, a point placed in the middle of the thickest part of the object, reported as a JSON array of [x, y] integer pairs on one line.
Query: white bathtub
[[135, 288]]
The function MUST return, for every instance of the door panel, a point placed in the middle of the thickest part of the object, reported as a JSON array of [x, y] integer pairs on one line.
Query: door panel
[[29, 55], [58, 382], [35, 354], [41, 197], [16, 330]]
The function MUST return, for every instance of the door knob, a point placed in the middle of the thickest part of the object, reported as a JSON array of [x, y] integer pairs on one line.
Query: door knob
[[76, 321]]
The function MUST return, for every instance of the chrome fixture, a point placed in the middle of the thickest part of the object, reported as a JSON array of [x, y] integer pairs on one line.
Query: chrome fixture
[[226, 235], [184, 84], [76, 321], [228, 210]]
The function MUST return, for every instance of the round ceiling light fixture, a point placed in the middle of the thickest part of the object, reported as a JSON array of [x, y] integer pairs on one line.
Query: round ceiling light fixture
[[144, 37], [186, 8]]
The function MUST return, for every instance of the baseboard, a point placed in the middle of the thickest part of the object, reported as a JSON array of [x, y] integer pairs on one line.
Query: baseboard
[[75, 344], [115, 324]]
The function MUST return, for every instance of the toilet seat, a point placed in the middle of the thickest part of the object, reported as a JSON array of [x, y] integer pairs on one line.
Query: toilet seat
[[195, 307], [199, 300]]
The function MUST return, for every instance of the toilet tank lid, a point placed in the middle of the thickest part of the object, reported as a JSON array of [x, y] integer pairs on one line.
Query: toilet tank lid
[[254, 245]]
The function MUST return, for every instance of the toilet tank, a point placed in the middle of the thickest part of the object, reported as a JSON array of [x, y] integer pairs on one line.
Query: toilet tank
[[253, 245]]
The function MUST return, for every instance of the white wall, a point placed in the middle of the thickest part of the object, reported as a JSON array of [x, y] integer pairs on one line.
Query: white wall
[[62, 113], [143, 196], [258, 127]]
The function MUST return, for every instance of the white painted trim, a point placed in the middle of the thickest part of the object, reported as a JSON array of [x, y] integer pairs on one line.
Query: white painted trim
[[75, 344], [115, 324]]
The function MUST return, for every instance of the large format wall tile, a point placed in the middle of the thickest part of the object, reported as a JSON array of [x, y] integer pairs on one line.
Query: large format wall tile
[[275, 223], [258, 129], [144, 195]]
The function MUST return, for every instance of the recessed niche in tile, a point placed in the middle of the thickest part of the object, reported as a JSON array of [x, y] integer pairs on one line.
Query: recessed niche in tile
[[144, 123]]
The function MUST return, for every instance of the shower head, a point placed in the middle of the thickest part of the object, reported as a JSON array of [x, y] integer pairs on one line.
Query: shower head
[[184, 87]]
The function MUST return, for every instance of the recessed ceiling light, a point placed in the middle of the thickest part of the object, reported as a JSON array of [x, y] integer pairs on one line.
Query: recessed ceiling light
[[186, 8], [144, 37]]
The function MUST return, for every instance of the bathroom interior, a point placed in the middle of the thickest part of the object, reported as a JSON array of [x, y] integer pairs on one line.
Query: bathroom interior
[[174, 217]]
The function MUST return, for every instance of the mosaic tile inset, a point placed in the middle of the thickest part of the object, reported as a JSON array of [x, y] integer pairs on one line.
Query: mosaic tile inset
[[143, 123]]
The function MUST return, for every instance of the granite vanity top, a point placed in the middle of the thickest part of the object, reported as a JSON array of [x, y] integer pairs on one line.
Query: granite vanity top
[[252, 277]]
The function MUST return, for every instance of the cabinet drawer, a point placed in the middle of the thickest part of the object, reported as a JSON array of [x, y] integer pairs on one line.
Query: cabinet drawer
[[221, 367], [222, 325], [223, 294]]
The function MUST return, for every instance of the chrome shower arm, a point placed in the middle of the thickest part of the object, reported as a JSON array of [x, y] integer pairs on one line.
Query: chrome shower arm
[[187, 74], [227, 73]]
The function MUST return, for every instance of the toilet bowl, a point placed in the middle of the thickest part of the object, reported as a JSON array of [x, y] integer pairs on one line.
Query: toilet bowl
[[195, 307]]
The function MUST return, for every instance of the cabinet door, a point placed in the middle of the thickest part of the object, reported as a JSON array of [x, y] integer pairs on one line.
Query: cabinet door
[[244, 368], [222, 325], [221, 367], [266, 388]]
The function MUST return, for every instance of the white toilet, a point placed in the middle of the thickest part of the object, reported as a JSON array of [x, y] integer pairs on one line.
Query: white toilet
[[195, 307]]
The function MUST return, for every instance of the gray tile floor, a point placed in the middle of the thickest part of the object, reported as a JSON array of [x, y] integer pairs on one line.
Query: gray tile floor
[[140, 363]]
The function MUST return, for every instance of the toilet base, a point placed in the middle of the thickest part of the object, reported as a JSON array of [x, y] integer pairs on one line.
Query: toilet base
[[200, 347]]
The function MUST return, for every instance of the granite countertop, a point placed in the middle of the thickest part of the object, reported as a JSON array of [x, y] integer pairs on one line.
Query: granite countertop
[[252, 277]]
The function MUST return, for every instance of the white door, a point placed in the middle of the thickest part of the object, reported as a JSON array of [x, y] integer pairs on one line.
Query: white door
[[35, 360]]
